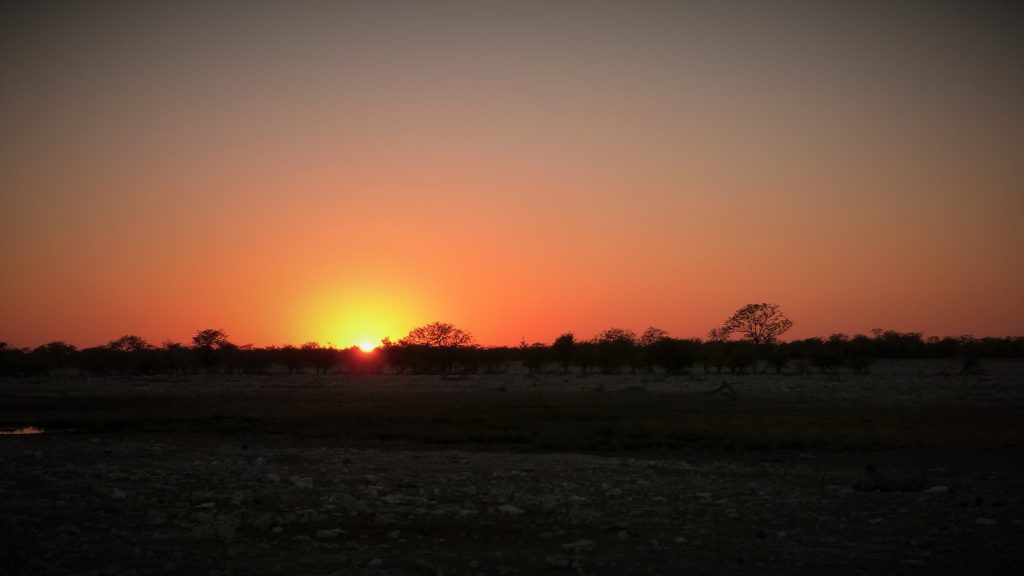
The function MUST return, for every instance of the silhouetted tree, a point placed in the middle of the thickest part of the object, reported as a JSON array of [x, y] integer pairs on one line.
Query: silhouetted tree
[[210, 339], [321, 358], [758, 323], [12, 360], [212, 345], [563, 349], [437, 347], [437, 334], [182, 360], [129, 343], [675, 356], [713, 353], [50, 356], [533, 356], [614, 348], [893, 344], [858, 354]]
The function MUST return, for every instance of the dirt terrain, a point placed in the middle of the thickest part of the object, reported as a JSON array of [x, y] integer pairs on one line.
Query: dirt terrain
[[505, 474]]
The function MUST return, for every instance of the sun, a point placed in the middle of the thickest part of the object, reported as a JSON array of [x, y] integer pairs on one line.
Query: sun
[[367, 347]]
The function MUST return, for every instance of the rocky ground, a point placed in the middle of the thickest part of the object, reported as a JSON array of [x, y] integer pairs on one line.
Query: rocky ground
[[149, 480]]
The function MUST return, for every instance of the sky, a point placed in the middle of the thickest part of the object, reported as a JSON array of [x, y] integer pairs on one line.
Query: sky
[[346, 171]]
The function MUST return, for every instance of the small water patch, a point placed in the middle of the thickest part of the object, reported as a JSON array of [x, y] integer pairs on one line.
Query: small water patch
[[23, 431]]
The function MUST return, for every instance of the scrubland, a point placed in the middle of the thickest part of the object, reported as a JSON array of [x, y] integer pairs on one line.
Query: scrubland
[[511, 474]]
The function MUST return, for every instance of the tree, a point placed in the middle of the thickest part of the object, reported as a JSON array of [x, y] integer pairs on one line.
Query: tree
[[213, 347], [652, 335], [757, 323], [210, 338], [563, 349], [438, 335], [614, 348], [533, 356], [129, 343]]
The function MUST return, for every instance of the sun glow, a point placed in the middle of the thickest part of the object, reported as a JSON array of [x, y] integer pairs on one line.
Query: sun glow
[[360, 317]]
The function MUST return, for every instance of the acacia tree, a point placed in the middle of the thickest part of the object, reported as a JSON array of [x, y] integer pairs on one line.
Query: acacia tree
[[563, 349], [129, 343], [210, 338], [212, 345], [615, 347], [438, 335], [758, 323]]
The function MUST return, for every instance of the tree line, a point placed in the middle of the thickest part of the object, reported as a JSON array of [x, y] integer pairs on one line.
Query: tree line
[[746, 342]]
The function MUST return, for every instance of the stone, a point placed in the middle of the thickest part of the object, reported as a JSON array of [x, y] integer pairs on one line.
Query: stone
[[937, 490], [510, 510], [328, 534], [986, 522]]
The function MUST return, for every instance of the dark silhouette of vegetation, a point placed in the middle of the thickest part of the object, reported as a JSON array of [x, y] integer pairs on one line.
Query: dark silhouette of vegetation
[[444, 349], [563, 349], [437, 335], [758, 323]]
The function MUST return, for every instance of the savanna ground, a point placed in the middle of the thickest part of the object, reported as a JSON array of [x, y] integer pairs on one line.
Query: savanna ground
[[505, 474]]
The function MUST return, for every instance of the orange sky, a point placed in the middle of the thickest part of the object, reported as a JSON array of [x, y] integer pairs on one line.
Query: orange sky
[[342, 172]]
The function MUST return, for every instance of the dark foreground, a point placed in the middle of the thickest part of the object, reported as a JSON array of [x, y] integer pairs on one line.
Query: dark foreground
[[507, 475]]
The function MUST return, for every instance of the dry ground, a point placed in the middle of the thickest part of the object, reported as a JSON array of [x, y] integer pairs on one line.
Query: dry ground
[[513, 475]]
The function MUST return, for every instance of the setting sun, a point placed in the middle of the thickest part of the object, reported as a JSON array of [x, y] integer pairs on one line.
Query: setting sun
[[367, 347]]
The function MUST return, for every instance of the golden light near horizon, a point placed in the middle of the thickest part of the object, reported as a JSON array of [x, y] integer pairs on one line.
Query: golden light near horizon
[[355, 317]]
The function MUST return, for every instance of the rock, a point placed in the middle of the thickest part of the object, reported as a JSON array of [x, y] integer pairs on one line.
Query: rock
[[986, 522], [394, 534], [937, 490], [205, 506], [272, 478], [327, 534], [579, 546], [376, 563], [301, 482], [510, 510]]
